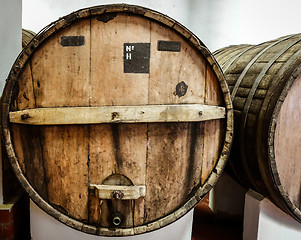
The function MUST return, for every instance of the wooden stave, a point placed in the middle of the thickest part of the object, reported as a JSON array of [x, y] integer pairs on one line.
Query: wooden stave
[[86, 13], [264, 128]]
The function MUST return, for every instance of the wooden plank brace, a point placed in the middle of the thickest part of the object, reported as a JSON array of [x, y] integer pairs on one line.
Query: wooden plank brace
[[118, 114]]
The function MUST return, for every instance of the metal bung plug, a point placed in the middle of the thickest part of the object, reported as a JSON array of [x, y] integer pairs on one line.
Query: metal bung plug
[[116, 219]]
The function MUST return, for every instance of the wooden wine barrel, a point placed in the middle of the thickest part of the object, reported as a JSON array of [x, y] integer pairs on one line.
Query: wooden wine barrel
[[10, 184], [117, 120], [27, 35], [265, 85]]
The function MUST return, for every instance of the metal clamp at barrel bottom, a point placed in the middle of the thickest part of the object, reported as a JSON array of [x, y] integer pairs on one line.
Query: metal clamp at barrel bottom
[[117, 192]]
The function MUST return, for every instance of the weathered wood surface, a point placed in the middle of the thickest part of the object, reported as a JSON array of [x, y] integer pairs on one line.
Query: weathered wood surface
[[118, 114], [264, 84], [79, 66]]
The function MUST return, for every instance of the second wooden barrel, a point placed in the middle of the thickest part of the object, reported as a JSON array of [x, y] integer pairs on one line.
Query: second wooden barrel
[[27, 35], [265, 85], [117, 120]]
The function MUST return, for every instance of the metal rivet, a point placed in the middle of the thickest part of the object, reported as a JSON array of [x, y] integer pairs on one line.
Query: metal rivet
[[25, 116], [115, 115], [117, 194]]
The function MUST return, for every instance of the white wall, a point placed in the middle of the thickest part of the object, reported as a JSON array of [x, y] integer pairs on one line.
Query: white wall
[[39, 13], [10, 36], [218, 23], [10, 46], [263, 220]]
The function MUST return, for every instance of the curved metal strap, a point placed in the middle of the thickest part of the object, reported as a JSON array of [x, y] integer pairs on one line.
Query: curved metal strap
[[236, 57], [282, 79], [242, 75], [243, 117]]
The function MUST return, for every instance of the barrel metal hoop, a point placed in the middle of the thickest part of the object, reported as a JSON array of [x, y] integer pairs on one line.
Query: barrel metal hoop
[[235, 58], [249, 100], [291, 207], [246, 69], [272, 117], [258, 80]]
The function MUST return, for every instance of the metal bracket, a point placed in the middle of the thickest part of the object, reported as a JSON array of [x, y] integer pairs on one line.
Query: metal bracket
[[117, 192]]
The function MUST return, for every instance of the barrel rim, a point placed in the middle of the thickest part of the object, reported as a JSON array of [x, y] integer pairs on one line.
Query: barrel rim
[[90, 12], [266, 117], [291, 207]]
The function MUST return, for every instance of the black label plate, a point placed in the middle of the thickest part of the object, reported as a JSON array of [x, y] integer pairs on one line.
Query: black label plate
[[136, 57], [170, 46], [72, 41]]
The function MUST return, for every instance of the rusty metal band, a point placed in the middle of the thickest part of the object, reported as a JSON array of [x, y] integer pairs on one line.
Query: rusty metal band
[[244, 114], [52, 28], [242, 75]]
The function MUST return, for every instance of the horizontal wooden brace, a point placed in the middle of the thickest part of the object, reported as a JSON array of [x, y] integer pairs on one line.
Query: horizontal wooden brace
[[117, 192], [117, 114]]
